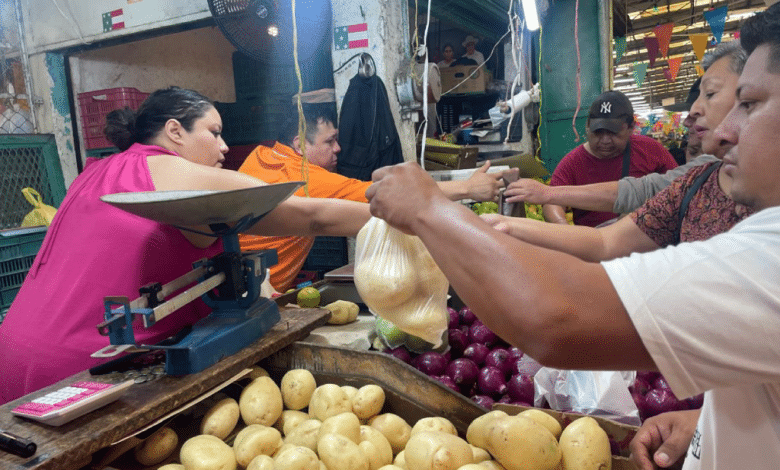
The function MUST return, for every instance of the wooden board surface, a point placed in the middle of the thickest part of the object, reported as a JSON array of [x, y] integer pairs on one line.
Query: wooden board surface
[[71, 445]]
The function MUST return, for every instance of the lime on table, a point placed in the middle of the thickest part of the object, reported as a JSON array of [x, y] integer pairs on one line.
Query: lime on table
[[308, 297]]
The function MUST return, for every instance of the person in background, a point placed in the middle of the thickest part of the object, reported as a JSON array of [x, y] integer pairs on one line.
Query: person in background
[[717, 335], [612, 151], [449, 56], [93, 250], [471, 53], [284, 162], [696, 206], [620, 197]]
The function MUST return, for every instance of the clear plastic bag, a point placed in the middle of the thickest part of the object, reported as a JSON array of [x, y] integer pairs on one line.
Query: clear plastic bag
[[400, 282], [596, 393]]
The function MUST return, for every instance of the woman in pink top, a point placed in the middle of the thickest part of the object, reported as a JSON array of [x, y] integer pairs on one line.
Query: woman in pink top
[[92, 249]]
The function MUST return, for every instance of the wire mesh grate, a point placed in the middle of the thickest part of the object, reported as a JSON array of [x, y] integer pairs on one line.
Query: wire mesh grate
[[20, 168]]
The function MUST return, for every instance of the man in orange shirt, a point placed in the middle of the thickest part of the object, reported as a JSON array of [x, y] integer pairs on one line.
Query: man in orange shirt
[[283, 162]]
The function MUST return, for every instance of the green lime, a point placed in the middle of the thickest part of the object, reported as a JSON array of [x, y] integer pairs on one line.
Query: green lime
[[308, 297], [389, 333]]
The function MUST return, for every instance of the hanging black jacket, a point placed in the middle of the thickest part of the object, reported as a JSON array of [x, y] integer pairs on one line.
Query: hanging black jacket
[[367, 133]]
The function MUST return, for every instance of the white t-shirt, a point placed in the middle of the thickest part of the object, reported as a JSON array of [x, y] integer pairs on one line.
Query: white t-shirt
[[477, 56], [709, 315]]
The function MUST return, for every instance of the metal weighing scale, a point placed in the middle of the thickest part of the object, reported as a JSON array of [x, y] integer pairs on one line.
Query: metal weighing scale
[[229, 283]]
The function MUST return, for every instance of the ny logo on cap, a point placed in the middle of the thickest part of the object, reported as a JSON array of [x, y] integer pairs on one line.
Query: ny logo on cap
[[606, 107]]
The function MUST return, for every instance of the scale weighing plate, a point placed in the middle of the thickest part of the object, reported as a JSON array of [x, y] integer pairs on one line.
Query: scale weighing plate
[[203, 207]]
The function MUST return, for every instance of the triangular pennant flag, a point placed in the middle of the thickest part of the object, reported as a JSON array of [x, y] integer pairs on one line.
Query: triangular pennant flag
[[620, 48], [640, 71], [674, 67], [699, 70], [668, 76], [651, 44], [699, 42], [664, 35], [717, 19]]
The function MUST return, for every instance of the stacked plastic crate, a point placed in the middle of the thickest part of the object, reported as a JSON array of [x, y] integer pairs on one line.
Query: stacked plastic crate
[[95, 105]]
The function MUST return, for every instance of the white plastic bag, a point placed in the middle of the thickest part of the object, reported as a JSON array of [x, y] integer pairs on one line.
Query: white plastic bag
[[596, 393], [399, 281]]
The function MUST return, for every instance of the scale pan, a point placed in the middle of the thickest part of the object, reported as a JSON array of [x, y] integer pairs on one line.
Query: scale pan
[[202, 207]]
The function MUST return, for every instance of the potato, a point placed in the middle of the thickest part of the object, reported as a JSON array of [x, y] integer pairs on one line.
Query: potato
[[391, 467], [221, 419], [207, 452], [472, 466], [342, 311], [305, 434], [328, 400], [261, 462], [585, 445], [254, 440], [157, 447], [518, 443], [340, 453], [384, 288], [491, 465], [297, 388], [345, 424], [480, 454], [368, 401], [394, 428], [375, 446], [289, 419], [285, 447], [350, 391], [435, 423], [257, 372], [261, 402], [400, 460], [545, 420], [174, 466], [436, 450], [475, 434], [297, 458]]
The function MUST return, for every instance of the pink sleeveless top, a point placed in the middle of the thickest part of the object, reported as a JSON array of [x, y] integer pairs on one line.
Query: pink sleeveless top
[[91, 250]]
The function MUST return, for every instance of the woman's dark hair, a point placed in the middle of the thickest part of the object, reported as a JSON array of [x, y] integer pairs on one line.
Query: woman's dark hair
[[446, 45], [763, 28], [124, 127]]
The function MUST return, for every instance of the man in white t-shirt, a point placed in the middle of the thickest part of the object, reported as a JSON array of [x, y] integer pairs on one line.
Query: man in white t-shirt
[[471, 53], [705, 314]]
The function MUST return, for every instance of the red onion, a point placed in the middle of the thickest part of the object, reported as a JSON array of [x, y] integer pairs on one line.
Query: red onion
[[454, 318], [521, 388], [695, 402], [658, 401], [430, 363], [476, 352], [458, 341], [463, 372], [500, 359], [661, 382], [400, 353], [446, 380], [479, 333], [467, 317], [526, 365], [483, 400], [491, 381], [640, 385]]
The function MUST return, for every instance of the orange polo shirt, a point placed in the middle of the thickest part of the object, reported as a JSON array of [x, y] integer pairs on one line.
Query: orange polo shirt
[[281, 164]]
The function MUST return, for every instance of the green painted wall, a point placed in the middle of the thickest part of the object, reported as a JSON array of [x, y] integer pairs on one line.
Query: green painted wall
[[558, 71]]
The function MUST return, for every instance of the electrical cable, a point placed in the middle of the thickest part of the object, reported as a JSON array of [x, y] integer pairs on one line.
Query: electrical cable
[[579, 62], [301, 118]]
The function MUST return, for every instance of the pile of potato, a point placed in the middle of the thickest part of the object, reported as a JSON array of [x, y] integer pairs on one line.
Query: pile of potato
[[300, 425]]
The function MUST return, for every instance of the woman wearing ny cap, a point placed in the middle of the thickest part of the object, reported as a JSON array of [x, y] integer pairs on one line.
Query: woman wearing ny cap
[[611, 152]]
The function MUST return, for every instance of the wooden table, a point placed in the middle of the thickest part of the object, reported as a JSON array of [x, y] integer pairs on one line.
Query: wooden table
[[68, 446]]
